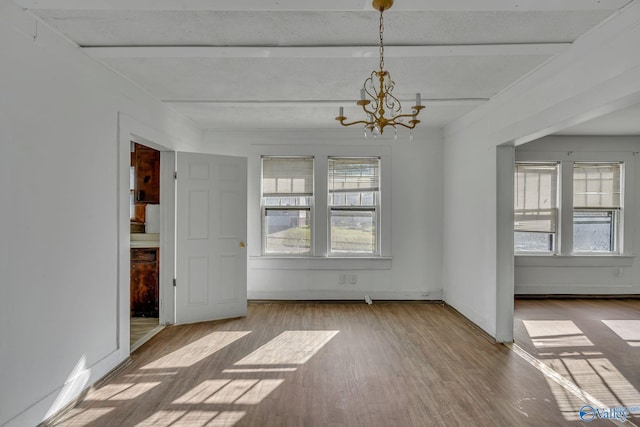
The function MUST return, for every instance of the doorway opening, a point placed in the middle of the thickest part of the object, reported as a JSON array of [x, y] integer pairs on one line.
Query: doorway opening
[[144, 216], [217, 210]]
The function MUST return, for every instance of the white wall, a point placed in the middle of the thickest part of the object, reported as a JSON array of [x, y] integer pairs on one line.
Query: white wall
[[598, 74], [470, 228], [415, 209], [59, 314], [587, 274]]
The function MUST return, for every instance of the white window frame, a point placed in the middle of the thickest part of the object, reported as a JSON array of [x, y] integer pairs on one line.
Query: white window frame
[[565, 255], [264, 208], [320, 258], [555, 243], [616, 213], [375, 208]]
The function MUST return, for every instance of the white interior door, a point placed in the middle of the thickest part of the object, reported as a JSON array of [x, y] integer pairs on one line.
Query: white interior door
[[211, 259]]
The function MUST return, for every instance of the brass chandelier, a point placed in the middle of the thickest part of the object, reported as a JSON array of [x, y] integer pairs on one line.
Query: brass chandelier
[[381, 107]]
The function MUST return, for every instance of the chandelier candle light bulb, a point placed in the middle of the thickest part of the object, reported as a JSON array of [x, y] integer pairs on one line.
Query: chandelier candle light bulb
[[379, 87]]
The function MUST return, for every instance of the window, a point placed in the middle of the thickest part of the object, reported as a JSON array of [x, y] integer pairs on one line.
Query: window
[[597, 206], [354, 187], [536, 207], [585, 218], [321, 203], [287, 202]]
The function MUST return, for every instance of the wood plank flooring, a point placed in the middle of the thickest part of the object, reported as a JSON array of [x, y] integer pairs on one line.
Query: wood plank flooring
[[141, 326], [595, 343], [324, 364]]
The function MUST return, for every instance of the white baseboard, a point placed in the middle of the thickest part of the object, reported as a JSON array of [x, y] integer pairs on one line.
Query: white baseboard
[[304, 295], [576, 290]]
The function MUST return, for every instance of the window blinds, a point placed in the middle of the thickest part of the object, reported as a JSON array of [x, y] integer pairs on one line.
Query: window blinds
[[596, 185], [536, 197], [354, 174], [291, 176]]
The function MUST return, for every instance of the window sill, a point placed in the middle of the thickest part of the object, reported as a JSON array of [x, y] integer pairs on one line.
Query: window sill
[[595, 260], [319, 263]]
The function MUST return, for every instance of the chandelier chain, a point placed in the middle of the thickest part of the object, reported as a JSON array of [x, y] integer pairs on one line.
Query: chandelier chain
[[380, 106], [381, 40]]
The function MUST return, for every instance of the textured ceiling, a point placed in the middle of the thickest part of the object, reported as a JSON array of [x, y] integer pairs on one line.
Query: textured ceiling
[[295, 79], [291, 64], [625, 122], [170, 28]]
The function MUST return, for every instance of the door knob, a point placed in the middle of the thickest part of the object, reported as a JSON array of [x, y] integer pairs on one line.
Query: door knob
[[243, 245]]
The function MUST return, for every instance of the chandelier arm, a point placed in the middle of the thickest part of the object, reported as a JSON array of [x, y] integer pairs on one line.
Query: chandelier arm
[[354, 123], [400, 116], [413, 124]]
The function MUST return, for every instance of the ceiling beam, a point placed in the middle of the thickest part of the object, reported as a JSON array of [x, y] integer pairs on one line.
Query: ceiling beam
[[449, 102], [391, 51], [325, 5]]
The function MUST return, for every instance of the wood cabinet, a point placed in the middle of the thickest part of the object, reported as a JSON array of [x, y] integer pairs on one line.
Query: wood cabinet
[[146, 179], [147, 175], [145, 289]]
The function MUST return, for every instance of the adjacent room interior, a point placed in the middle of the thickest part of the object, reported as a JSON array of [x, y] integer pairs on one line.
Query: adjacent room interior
[[144, 207]]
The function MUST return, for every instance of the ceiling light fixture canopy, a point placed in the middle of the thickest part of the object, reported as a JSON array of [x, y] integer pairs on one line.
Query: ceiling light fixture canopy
[[381, 107]]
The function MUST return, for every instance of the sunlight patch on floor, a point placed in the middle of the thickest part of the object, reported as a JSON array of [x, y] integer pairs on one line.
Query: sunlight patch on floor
[[231, 391], [242, 392], [625, 392], [258, 392], [628, 330], [121, 391], [180, 418], [572, 341], [151, 374], [79, 417], [555, 333], [193, 353], [202, 392], [278, 355], [576, 382], [597, 378], [548, 328], [257, 370], [572, 354], [289, 348], [582, 373]]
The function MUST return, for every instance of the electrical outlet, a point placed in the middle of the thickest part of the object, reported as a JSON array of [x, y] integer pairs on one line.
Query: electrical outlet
[[425, 293], [353, 279], [341, 279]]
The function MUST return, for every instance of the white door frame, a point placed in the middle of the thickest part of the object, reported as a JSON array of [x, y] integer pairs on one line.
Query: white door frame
[[129, 130]]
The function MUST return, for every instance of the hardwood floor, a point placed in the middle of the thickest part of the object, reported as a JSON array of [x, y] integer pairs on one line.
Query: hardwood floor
[[140, 327], [324, 364], [595, 343]]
